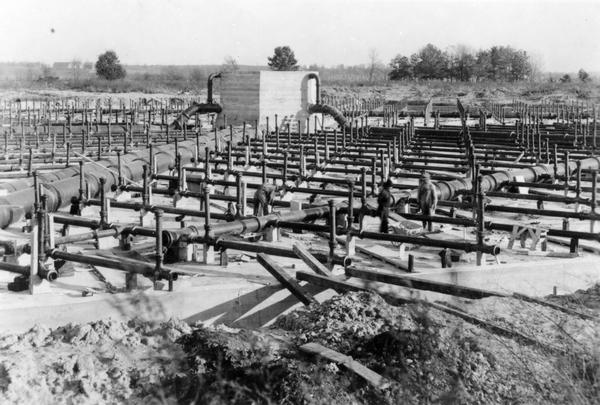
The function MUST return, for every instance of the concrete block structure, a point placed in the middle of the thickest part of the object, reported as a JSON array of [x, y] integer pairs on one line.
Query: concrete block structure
[[254, 96]]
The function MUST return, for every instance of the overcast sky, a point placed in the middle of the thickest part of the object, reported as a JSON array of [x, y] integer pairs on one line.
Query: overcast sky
[[563, 35]]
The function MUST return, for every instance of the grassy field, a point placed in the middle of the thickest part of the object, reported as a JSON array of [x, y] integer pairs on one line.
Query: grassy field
[[195, 85]]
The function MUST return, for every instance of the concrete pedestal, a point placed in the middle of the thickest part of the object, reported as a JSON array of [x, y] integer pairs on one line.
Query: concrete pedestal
[[208, 255], [272, 234], [186, 252], [107, 243], [146, 219], [350, 245]]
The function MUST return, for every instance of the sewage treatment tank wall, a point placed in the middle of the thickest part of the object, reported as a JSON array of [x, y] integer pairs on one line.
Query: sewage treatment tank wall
[[251, 96]]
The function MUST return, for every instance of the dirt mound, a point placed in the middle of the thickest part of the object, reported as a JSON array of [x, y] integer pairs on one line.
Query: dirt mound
[[99, 362], [426, 355], [345, 320], [583, 300]]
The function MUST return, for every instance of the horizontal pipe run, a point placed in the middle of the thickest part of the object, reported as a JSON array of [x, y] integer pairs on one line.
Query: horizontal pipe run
[[277, 251], [466, 246], [81, 237]]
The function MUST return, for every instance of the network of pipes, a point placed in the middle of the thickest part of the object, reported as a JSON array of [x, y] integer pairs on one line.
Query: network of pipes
[[230, 215], [175, 174]]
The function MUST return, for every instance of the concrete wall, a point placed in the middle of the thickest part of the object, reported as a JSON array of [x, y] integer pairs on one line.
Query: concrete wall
[[286, 94], [250, 96], [240, 97]]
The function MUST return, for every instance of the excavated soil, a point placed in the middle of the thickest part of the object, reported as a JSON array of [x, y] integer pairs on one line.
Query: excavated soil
[[426, 355]]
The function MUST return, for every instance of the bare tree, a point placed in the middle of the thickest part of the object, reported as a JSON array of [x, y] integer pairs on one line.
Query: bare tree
[[76, 69], [537, 65], [373, 62], [230, 64]]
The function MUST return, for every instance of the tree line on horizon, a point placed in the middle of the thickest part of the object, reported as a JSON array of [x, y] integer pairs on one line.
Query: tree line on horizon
[[457, 63], [498, 63]]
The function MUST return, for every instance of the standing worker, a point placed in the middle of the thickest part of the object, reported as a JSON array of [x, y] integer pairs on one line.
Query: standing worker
[[384, 202], [263, 198], [427, 199]]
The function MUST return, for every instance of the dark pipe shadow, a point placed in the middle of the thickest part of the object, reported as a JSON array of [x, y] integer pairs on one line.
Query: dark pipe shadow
[[261, 317], [232, 310]]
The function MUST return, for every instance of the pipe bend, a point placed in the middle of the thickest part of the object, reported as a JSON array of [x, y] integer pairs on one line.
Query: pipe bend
[[318, 80], [209, 86]]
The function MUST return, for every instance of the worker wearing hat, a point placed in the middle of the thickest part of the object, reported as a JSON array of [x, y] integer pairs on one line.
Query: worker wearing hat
[[427, 198], [263, 198], [384, 202]]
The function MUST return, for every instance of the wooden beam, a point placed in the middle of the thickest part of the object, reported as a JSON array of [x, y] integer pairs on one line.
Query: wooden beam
[[394, 262], [329, 282], [312, 262], [285, 279], [348, 362], [553, 306], [420, 284]]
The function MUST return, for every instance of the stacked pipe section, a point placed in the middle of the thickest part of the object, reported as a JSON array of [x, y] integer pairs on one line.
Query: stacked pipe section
[[61, 185]]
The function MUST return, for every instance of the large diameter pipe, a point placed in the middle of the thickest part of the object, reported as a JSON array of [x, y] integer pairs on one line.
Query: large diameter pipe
[[49, 275], [449, 189], [200, 108], [336, 114], [238, 226], [64, 183]]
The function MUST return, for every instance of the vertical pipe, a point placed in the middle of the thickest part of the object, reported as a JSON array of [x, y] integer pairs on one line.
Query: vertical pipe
[[120, 175], [480, 220], [159, 247], [332, 229], [36, 192], [102, 202], [594, 189], [285, 167], [207, 212], [238, 194], [578, 184], [350, 203], [81, 180]]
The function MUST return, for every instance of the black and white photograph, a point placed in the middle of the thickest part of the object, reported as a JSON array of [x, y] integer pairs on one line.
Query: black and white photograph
[[299, 202]]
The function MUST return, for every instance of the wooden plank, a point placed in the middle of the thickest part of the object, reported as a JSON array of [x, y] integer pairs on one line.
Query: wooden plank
[[420, 284], [312, 262], [564, 255], [553, 306], [348, 362], [394, 262], [567, 242], [328, 282], [285, 279]]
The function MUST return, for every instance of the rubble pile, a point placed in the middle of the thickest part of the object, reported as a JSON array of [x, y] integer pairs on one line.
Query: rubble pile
[[98, 362], [425, 355]]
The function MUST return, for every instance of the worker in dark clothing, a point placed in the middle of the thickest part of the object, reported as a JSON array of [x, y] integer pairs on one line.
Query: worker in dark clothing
[[384, 202], [263, 198], [427, 199], [174, 183]]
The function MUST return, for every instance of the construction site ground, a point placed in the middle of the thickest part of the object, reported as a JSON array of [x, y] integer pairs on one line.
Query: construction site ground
[[116, 346], [234, 334]]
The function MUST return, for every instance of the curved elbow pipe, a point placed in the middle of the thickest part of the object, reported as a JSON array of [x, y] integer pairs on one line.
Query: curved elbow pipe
[[209, 86], [200, 108], [318, 80], [330, 110]]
